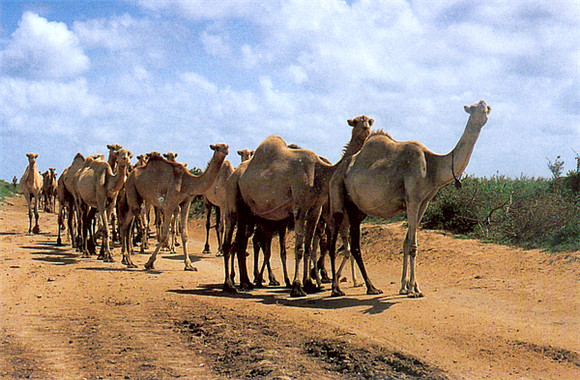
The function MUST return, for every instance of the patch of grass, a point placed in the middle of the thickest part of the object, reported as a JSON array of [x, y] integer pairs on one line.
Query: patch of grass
[[7, 190], [525, 212]]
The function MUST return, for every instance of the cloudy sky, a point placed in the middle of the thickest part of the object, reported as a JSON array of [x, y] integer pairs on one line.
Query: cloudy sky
[[181, 75]]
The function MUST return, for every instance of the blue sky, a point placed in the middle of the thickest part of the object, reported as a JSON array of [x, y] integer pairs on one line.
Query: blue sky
[[181, 75]]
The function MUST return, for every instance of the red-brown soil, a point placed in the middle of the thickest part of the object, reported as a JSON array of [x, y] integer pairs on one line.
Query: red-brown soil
[[489, 312]]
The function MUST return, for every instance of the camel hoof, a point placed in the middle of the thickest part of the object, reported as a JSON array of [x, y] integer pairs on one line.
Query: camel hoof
[[36, 230], [374, 290], [356, 285], [274, 283], [325, 280], [206, 252], [189, 268], [59, 243], [310, 287], [246, 285], [131, 265], [219, 254], [149, 266], [297, 290], [337, 293], [288, 284], [108, 260], [229, 288], [415, 295]]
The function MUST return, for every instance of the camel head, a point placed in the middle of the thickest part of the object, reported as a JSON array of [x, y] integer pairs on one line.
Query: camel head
[[114, 147], [141, 160], [170, 156], [361, 128], [123, 157], [478, 112], [153, 154], [32, 157], [245, 154], [221, 149]]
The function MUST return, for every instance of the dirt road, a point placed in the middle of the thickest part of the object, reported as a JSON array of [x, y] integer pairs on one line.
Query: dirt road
[[488, 312]]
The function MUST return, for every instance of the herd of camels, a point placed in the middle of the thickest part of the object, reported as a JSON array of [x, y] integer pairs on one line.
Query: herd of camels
[[274, 186]]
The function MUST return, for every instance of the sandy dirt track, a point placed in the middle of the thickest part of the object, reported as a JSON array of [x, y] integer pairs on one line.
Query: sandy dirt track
[[489, 312]]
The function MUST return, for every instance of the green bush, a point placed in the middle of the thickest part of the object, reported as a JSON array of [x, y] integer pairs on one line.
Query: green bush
[[7, 190], [526, 212]]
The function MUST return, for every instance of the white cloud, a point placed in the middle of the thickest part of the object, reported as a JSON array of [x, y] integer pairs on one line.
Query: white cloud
[[42, 49], [215, 44], [46, 107], [110, 33]]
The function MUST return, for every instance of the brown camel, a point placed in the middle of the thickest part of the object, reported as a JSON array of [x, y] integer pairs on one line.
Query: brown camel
[[277, 183], [49, 189], [97, 186], [31, 186], [66, 198], [112, 159], [387, 178], [167, 185], [215, 198]]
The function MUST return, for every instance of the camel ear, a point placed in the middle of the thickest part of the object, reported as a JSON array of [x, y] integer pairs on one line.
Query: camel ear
[[350, 122], [35, 155], [109, 146], [213, 147], [371, 122], [468, 109], [240, 152]]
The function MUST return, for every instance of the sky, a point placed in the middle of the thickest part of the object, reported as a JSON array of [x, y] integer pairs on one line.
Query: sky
[[181, 75]]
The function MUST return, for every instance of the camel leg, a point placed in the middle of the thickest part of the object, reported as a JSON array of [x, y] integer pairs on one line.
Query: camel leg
[[257, 243], [337, 219], [267, 255], [219, 229], [206, 248], [164, 239], [183, 232], [311, 221], [36, 229], [29, 204], [227, 249], [282, 238], [355, 218], [410, 286], [299, 224], [240, 244], [126, 245]]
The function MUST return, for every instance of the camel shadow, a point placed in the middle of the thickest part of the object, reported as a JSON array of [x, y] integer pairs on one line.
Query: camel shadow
[[51, 253], [279, 296], [8, 233], [179, 257]]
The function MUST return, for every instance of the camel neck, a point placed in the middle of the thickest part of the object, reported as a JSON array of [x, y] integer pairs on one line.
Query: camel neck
[[196, 185], [119, 178], [454, 163]]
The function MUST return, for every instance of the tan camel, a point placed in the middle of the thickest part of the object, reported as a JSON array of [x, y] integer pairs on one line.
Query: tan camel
[[387, 178], [215, 198], [277, 183], [167, 185], [49, 189], [65, 195], [97, 186], [112, 159], [31, 186]]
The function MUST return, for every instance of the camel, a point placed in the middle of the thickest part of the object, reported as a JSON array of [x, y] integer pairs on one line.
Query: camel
[[97, 186], [65, 195], [31, 186], [49, 189], [167, 185], [215, 198], [112, 159], [386, 178], [277, 183]]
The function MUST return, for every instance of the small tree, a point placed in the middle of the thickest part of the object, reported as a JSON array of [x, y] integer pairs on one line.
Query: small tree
[[556, 167]]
